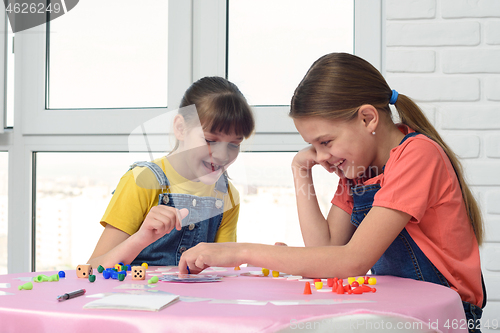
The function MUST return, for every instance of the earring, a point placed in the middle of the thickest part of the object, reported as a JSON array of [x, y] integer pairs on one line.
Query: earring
[[373, 132]]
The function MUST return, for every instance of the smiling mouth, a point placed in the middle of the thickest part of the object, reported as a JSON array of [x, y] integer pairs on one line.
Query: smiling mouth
[[339, 163], [212, 166]]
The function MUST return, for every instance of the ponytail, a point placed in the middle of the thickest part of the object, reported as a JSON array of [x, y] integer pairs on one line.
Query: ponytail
[[337, 84], [412, 116]]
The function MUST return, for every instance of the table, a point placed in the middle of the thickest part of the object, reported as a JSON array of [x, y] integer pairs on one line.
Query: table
[[236, 304]]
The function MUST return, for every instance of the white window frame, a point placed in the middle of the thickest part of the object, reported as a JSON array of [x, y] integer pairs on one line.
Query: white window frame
[[197, 48]]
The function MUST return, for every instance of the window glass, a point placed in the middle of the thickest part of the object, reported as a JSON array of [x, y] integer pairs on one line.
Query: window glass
[[271, 44], [109, 54], [72, 193], [4, 181], [268, 209]]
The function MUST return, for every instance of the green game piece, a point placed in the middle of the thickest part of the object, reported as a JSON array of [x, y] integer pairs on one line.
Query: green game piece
[[26, 286], [54, 278], [121, 277], [41, 278], [100, 269], [154, 279], [91, 278]]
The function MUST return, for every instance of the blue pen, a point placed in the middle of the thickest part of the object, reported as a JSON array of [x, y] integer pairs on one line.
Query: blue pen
[[72, 294], [189, 272]]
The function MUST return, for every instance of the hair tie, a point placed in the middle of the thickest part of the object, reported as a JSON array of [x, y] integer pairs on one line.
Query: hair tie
[[394, 97]]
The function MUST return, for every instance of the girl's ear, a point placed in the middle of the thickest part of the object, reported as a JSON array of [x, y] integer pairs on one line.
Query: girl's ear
[[179, 127], [369, 116]]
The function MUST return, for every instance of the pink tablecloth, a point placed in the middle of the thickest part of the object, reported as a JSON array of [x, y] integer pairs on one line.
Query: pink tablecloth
[[407, 300]]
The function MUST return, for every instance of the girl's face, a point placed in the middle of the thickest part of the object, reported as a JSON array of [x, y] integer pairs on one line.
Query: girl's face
[[347, 148], [207, 155]]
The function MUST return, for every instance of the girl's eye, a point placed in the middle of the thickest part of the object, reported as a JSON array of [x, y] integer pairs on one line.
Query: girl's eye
[[324, 143], [209, 142], [234, 146]]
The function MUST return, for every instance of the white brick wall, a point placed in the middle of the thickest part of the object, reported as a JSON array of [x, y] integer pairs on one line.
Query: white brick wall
[[445, 54]]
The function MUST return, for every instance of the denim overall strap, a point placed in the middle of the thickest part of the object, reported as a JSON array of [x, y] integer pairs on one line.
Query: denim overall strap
[[403, 257], [201, 224]]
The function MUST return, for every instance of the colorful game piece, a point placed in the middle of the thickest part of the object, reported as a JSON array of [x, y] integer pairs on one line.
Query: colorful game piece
[[91, 278], [138, 273], [366, 280], [54, 278], [145, 265], [41, 278], [317, 280], [121, 276], [118, 267], [83, 271], [100, 269], [237, 268], [276, 273], [340, 289], [307, 289], [351, 279], [372, 281], [357, 291], [106, 274], [318, 284], [26, 286], [355, 284], [62, 274], [360, 280], [265, 271], [129, 268], [347, 287], [329, 282], [154, 279], [365, 288]]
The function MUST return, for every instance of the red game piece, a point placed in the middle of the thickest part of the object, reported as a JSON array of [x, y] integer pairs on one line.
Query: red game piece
[[355, 284], [357, 290], [366, 279], [340, 289], [307, 289], [347, 287], [329, 282], [317, 280], [365, 288]]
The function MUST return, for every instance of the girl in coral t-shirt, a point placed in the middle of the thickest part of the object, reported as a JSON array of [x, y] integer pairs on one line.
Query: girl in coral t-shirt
[[402, 206]]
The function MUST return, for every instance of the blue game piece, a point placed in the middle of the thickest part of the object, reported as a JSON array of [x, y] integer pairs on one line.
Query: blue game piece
[[129, 267], [106, 274], [62, 274]]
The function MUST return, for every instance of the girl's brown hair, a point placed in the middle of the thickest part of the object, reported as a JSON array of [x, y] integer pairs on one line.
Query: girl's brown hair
[[337, 84], [220, 105]]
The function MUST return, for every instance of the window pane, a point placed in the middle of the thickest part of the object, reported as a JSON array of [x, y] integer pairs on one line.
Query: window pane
[[72, 193], [268, 66], [109, 54], [4, 217], [268, 210]]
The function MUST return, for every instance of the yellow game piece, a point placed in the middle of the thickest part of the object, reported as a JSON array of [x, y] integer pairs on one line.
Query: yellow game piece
[[361, 280], [145, 265], [265, 271], [372, 281], [350, 280], [237, 268], [276, 273], [318, 285], [118, 267]]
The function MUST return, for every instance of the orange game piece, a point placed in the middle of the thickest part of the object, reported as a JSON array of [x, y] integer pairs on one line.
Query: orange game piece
[[237, 268], [307, 289]]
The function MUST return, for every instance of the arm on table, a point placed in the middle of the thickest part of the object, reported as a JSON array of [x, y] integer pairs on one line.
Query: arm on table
[[379, 228]]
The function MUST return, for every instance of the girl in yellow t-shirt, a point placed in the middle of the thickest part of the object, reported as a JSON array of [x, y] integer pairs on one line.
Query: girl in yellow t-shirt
[[164, 207]]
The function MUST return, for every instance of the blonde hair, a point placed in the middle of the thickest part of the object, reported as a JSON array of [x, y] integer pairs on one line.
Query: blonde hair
[[337, 84]]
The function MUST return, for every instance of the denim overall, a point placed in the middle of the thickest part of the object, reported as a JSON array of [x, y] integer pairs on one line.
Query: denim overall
[[403, 257], [167, 250]]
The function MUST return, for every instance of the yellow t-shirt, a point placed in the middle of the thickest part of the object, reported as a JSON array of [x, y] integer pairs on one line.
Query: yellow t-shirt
[[138, 190]]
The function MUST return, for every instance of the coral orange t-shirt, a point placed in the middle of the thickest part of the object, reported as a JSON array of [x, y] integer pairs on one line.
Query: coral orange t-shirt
[[419, 180]]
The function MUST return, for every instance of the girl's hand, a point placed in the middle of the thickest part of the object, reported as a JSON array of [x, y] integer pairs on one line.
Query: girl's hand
[[160, 220], [305, 159], [205, 255]]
